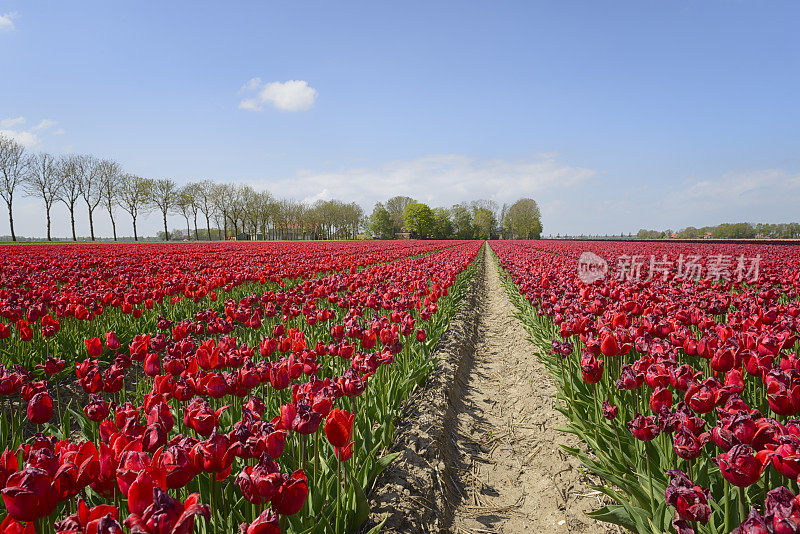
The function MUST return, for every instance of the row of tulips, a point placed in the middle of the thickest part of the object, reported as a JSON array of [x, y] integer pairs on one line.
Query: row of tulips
[[51, 296], [265, 413], [686, 389]]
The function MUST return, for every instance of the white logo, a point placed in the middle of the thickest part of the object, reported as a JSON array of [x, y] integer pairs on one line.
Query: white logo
[[591, 267]]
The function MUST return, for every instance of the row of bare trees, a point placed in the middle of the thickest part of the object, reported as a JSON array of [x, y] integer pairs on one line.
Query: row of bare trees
[[101, 183]]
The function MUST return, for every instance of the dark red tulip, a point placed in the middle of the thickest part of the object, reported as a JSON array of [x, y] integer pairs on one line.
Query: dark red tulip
[[739, 466], [266, 523], [643, 427], [292, 494], [40, 408], [166, 515], [29, 494]]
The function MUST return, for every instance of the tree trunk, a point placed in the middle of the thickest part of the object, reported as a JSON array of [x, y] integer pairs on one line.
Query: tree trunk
[[208, 227], [91, 224], [113, 224], [166, 232], [225, 226], [135, 237], [188, 230], [48, 223], [11, 222], [196, 234], [72, 220]]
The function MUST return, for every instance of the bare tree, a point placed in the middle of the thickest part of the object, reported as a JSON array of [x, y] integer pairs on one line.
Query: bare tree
[[183, 206], [44, 181], [13, 171], [70, 169], [110, 177], [91, 187], [205, 202], [164, 194], [193, 190], [221, 195], [133, 196]]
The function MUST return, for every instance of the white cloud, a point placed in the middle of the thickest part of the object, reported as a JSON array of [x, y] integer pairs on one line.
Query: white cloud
[[45, 124], [293, 95], [744, 189], [28, 138], [440, 180], [7, 21], [25, 138], [11, 122]]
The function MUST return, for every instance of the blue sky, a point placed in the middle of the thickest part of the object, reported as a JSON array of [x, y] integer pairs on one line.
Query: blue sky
[[613, 115]]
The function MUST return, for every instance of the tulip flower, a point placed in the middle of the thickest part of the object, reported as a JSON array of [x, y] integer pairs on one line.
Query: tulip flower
[[29, 494], [94, 347], [339, 427], [266, 523], [166, 515], [40, 408], [739, 466]]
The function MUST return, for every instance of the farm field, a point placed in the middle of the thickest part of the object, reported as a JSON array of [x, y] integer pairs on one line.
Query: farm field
[[283, 387]]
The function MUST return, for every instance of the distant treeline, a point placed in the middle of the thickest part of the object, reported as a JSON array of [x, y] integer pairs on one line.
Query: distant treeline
[[740, 230], [404, 217]]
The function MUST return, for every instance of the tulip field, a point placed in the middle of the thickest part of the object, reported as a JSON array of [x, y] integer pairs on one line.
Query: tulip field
[[255, 387], [679, 366], [177, 388]]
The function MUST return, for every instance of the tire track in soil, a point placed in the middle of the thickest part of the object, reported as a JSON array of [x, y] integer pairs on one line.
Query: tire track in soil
[[513, 475]]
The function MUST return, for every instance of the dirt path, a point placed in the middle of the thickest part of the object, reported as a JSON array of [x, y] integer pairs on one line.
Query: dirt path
[[513, 475]]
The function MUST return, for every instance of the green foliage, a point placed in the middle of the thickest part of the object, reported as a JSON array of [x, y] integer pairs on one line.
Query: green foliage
[[380, 224], [523, 220], [418, 219]]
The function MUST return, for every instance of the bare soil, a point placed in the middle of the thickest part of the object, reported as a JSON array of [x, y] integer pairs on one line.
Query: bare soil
[[479, 444]]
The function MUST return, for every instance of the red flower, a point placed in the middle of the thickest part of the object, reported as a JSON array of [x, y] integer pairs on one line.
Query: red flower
[[94, 346], [344, 453], [266, 523], [111, 341], [643, 428], [53, 366], [100, 519], [213, 455], [339, 427], [609, 411], [292, 494], [29, 494], [166, 515], [12, 526], [739, 466], [97, 409], [40, 408], [591, 368]]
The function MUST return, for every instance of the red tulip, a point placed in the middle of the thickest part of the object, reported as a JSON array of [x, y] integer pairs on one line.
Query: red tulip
[[166, 515], [266, 523], [40, 408], [292, 494], [111, 341], [94, 347], [29, 494], [739, 466], [339, 427]]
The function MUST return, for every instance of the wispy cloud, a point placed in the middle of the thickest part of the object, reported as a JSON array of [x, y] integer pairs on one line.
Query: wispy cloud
[[293, 95], [756, 188], [45, 124], [440, 180], [11, 122], [29, 138], [7, 21]]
